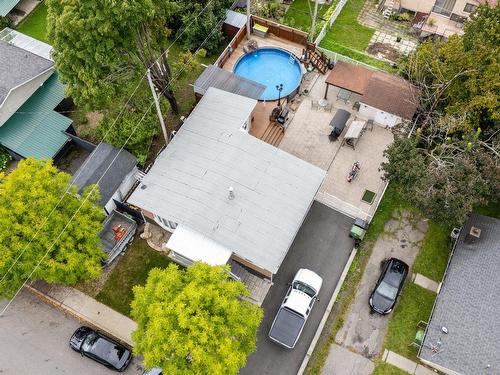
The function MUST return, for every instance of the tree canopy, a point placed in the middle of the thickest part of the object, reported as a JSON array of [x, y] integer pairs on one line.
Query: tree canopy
[[27, 196], [194, 321], [450, 164]]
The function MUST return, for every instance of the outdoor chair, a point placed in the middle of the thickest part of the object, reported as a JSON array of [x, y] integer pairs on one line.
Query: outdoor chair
[[328, 107], [419, 335], [314, 104]]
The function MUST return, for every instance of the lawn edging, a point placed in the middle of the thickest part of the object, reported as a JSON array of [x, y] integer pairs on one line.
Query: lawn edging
[[322, 323]]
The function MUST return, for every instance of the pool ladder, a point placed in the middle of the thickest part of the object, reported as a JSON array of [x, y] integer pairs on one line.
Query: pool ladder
[[291, 59]]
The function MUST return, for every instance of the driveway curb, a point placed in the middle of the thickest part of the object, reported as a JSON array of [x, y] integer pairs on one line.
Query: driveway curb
[[327, 312]]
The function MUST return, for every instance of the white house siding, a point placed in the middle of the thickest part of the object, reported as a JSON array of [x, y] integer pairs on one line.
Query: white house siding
[[19, 95], [424, 6], [122, 191], [380, 117]]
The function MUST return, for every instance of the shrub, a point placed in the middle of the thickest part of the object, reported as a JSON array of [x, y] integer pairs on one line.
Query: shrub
[[4, 160]]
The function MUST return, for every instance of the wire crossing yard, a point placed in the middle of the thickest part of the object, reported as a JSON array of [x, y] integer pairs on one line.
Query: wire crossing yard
[[133, 269], [415, 305], [299, 14], [35, 25]]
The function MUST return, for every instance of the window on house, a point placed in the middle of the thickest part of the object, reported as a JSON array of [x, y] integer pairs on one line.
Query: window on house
[[444, 7], [469, 8], [166, 224]]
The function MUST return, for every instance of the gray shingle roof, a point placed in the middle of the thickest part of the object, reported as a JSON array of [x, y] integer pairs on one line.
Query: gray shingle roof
[[95, 165], [189, 182], [18, 66], [468, 305], [219, 78]]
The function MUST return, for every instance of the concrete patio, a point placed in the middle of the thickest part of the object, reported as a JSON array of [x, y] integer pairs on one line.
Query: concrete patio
[[307, 138]]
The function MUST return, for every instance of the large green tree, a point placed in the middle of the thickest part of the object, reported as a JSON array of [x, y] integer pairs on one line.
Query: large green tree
[[194, 321], [450, 163], [27, 197], [101, 45]]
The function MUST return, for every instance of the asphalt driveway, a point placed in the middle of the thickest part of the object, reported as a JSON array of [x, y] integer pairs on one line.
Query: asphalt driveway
[[322, 245]]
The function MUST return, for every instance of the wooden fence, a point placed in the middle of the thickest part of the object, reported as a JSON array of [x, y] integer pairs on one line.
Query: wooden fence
[[282, 31], [233, 44]]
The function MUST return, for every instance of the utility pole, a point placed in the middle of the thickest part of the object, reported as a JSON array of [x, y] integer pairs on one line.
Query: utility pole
[[248, 20], [157, 103], [313, 27]]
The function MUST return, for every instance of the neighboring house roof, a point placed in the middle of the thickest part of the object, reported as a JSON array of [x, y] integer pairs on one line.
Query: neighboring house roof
[[219, 78], [27, 43], [235, 19], [350, 77], [189, 182], [391, 94], [18, 66], [467, 305], [6, 6], [36, 129], [380, 90], [95, 166]]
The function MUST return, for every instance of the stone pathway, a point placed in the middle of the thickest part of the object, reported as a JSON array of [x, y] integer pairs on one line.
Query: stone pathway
[[405, 45], [405, 364], [426, 283], [342, 361]]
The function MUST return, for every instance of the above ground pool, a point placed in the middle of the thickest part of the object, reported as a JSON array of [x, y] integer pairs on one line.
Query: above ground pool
[[270, 67]]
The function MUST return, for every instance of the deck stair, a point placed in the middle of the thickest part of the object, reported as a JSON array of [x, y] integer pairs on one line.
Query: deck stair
[[319, 61], [273, 134]]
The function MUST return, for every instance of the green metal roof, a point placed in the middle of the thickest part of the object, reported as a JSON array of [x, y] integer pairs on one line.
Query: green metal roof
[[36, 129], [6, 6]]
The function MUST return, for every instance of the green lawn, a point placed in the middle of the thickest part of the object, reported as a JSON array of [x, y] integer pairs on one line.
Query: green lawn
[[346, 30], [387, 369], [434, 252], [414, 305], [35, 25], [299, 15], [349, 38], [133, 269]]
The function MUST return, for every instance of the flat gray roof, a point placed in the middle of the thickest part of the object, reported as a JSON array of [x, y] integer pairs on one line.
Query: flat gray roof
[[214, 76], [189, 183], [18, 66], [468, 305]]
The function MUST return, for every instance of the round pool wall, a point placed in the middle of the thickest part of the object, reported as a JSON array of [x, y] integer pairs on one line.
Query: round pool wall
[[271, 66]]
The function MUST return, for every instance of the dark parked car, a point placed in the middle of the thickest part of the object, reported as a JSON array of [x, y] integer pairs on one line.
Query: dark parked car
[[100, 348], [389, 285]]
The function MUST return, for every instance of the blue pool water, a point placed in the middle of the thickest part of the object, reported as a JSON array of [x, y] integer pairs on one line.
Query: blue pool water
[[270, 67]]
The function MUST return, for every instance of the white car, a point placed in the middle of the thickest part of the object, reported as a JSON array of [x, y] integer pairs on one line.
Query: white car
[[295, 308]]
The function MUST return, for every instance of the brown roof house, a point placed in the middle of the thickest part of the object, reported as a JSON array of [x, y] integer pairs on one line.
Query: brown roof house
[[386, 99]]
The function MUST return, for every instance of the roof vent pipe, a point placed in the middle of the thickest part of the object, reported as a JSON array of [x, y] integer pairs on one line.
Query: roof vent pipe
[[231, 192]]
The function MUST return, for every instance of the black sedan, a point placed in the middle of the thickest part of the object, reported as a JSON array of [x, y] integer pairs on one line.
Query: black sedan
[[100, 348], [389, 285]]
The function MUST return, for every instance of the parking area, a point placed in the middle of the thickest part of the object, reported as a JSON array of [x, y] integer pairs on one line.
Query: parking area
[[36, 341], [322, 245]]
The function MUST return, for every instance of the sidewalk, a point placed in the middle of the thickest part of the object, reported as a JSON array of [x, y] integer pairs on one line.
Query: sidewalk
[[405, 364], [86, 309]]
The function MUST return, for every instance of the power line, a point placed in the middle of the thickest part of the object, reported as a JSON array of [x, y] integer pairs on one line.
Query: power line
[[111, 163], [90, 157]]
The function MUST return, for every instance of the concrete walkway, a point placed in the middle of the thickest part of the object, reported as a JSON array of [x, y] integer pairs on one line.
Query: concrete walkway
[[86, 309], [342, 361], [405, 364], [426, 283]]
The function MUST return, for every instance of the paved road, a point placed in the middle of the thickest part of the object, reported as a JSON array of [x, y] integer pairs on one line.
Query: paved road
[[322, 245], [34, 340]]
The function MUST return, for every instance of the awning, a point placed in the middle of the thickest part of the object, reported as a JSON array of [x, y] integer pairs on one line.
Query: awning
[[196, 247], [355, 129]]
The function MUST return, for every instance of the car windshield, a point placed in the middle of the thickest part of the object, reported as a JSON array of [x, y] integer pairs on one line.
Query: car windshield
[[89, 341], [387, 291], [304, 288]]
